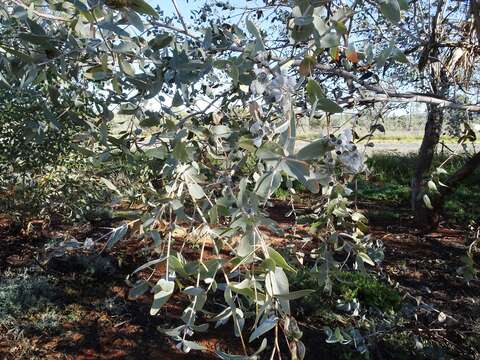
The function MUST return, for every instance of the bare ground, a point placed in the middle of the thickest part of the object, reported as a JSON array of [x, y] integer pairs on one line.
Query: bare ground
[[423, 267]]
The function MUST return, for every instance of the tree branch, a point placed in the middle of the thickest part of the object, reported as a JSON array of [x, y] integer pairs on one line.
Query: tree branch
[[180, 16], [392, 95], [461, 174], [385, 95], [174, 28], [412, 97]]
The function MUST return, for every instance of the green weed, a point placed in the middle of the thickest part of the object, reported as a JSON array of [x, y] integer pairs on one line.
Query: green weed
[[368, 290], [347, 285], [25, 292]]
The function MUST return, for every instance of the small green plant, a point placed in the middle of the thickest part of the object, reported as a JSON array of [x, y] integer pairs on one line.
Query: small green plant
[[25, 292], [365, 288], [368, 290], [28, 303]]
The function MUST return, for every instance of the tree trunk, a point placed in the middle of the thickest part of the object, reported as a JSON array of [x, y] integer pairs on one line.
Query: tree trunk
[[425, 218]]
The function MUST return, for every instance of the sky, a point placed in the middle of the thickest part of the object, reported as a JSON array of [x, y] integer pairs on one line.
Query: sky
[[184, 6]]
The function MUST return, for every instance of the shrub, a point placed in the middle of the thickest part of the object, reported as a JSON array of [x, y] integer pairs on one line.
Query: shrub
[[25, 293]]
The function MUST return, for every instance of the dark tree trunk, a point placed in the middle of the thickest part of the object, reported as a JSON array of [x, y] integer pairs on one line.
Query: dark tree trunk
[[425, 218]]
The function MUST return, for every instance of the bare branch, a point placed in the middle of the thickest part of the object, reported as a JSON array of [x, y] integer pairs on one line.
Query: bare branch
[[180, 16], [392, 95], [174, 28], [412, 97]]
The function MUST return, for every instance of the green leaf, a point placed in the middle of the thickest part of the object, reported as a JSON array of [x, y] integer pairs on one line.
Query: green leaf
[[307, 65], [159, 152], [213, 214], [329, 40], [42, 40], [177, 99], [117, 235], [195, 190], [246, 143], [245, 244], [302, 33], [391, 10], [110, 185], [22, 56], [35, 27], [160, 41], [142, 7], [328, 105], [110, 26], [244, 288], [296, 294], [194, 291], [177, 265], [179, 152], [221, 131], [399, 56], [296, 169], [135, 20], [303, 20], [316, 95], [265, 326], [269, 151], [148, 264], [427, 202], [234, 73], [383, 56], [163, 290], [279, 260], [314, 91], [315, 150], [252, 28], [268, 264], [192, 345], [98, 73], [403, 4], [365, 258], [155, 236], [138, 289], [126, 67], [267, 184], [357, 216]]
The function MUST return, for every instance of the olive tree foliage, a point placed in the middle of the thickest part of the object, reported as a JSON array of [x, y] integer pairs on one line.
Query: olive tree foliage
[[224, 140]]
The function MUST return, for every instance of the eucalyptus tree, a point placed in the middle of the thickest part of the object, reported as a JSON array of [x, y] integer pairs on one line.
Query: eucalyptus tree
[[230, 92]]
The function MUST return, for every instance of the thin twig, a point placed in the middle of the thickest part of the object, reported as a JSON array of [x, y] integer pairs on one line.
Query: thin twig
[[180, 16]]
